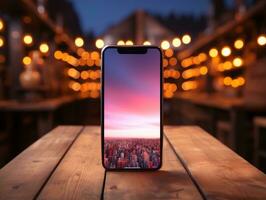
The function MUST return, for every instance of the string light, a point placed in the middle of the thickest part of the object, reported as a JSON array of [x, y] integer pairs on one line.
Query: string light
[[213, 52], [79, 42], [95, 55], [227, 80], [261, 40], [176, 42], [169, 53], [58, 55], [99, 43], [146, 43], [173, 61], [44, 48], [239, 43], [84, 75], [1, 25], [227, 65], [241, 80], [80, 51], [90, 62], [237, 62], [202, 57], [129, 42], [226, 51], [165, 45], [2, 42], [73, 73], [189, 85], [26, 60], [186, 39], [120, 42], [165, 62], [203, 70], [27, 39], [76, 86]]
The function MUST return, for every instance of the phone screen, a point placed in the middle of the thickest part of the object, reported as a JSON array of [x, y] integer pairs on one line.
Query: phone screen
[[131, 108]]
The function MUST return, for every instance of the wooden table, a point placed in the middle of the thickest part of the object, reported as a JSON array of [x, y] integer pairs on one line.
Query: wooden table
[[66, 164]]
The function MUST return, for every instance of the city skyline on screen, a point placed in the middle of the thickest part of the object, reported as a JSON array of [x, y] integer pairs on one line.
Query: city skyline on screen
[[132, 94]]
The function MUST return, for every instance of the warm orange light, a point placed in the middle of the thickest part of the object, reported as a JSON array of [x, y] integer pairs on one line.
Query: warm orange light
[[58, 55], [26, 60], [176, 42], [241, 80], [239, 43], [129, 42], [171, 73], [73, 73], [80, 51], [94, 94], [186, 39], [169, 53], [213, 52], [202, 57], [79, 42], [226, 51], [84, 75], [165, 62], [85, 55], [146, 43], [165, 45], [120, 42], [27, 39], [1, 42], [95, 55], [190, 73], [187, 62], [90, 62], [196, 60], [261, 40], [44, 48], [99, 43], [173, 61], [237, 62], [76, 86], [189, 85], [98, 62], [227, 81], [82, 62], [1, 25], [234, 83], [227, 65], [168, 94], [203, 70]]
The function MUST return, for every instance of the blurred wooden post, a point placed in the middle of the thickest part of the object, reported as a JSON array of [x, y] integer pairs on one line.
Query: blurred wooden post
[[15, 55], [139, 27]]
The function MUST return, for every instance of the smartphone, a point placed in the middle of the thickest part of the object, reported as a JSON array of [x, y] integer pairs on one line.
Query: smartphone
[[131, 108]]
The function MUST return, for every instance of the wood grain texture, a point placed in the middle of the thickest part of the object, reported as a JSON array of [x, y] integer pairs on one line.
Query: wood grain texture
[[171, 182], [80, 175], [24, 176], [220, 172]]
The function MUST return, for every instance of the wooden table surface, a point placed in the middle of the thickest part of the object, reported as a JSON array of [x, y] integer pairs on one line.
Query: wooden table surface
[[66, 164]]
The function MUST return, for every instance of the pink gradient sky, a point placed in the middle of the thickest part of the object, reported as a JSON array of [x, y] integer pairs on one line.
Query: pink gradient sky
[[132, 94]]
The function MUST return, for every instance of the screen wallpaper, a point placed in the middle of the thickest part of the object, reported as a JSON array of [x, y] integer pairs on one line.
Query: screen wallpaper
[[131, 109]]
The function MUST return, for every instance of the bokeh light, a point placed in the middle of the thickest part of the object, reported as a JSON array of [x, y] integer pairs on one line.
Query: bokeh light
[[79, 42]]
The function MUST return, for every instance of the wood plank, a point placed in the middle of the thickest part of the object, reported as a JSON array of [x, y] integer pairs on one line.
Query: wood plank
[[24, 176], [171, 182], [219, 172], [80, 175]]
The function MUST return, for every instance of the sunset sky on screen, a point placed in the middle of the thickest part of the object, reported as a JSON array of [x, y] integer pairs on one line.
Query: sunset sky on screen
[[132, 94]]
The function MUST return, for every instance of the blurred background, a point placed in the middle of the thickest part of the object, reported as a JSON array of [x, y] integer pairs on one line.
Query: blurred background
[[214, 65]]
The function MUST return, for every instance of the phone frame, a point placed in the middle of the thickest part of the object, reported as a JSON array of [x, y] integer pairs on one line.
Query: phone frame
[[131, 48]]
